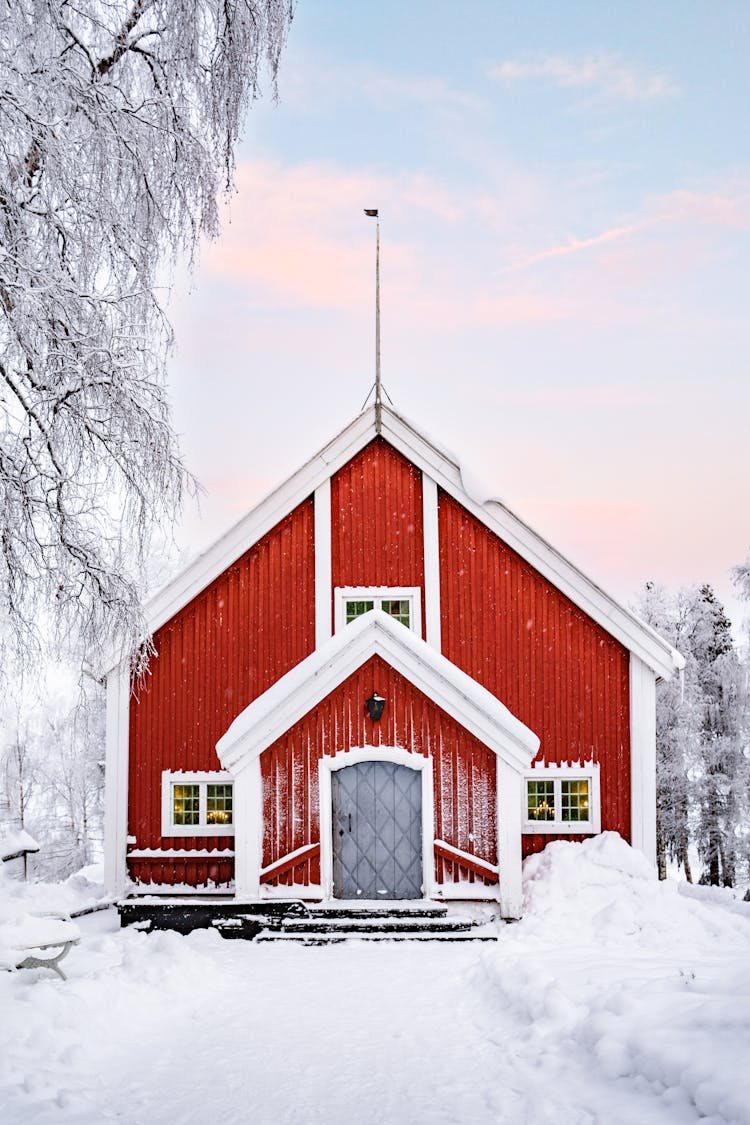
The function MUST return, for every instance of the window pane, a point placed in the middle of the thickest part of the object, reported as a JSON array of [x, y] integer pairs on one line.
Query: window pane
[[541, 800], [219, 804], [186, 804], [356, 609], [575, 800], [398, 608]]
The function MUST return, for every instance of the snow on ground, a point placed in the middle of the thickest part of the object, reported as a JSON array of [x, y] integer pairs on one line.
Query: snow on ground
[[616, 1001]]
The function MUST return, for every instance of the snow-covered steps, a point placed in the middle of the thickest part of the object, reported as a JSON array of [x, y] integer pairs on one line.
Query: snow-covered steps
[[325, 925], [293, 920]]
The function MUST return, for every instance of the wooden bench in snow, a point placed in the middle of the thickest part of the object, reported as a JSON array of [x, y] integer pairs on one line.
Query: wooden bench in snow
[[37, 941]]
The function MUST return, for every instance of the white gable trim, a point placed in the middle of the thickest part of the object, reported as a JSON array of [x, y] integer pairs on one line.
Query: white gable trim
[[202, 571], [431, 562], [322, 504], [269, 716], [444, 470], [633, 633]]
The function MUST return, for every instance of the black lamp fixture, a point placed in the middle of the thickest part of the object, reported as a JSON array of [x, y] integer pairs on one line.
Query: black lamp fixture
[[375, 705]]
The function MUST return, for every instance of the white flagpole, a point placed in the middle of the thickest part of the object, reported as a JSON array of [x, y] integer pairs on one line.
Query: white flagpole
[[377, 324], [374, 213]]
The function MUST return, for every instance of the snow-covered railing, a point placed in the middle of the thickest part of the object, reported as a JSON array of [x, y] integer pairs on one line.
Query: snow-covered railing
[[473, 863], [288, 862]]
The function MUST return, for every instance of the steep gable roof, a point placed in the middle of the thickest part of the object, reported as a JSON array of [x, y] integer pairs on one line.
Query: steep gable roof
[[444, 469], [376, 634]]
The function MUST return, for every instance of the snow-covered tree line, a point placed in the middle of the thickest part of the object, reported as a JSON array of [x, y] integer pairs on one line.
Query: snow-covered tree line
[[703, 738], [52, 770], [118, 123]]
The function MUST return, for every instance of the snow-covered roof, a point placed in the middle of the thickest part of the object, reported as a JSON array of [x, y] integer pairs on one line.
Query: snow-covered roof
[[445, 470], [376, 634], [14, 842]]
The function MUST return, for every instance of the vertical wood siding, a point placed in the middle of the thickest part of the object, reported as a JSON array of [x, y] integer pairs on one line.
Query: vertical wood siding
[[376, 520], [463, 770], [545, 659], [231, 643]]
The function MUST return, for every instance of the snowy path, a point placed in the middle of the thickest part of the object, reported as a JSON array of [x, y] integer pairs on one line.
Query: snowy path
[[160, 1029], [617, 1001]]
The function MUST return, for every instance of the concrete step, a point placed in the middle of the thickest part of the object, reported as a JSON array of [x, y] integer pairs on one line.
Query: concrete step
[[378, 911], [336, 938], [372, 925]]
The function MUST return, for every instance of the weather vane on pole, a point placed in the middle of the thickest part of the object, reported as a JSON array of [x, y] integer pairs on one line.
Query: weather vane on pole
[[373, 213]]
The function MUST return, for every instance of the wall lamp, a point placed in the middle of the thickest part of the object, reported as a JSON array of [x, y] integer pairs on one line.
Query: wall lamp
[[375, 705]]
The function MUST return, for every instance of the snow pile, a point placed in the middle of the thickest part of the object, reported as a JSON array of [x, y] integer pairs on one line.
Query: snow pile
[[603, 891], [81, 891], [643, 986]]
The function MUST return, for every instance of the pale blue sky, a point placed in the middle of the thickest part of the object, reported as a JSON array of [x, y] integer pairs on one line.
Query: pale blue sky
[[565, 200]]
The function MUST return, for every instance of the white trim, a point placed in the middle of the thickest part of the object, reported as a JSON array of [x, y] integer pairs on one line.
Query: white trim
[[282, 861], [510, 887], [557, 771], [323, 580], [327, 764], [116, 780], [489, 869], [248, 838], [379, 594], [201, 572], [466, 892], [169, 778], [300, 892], [180, 853], [174, 893], [431, 533], [270, 715], [472, 706], [642, 758], [633, 633], [618, 621]]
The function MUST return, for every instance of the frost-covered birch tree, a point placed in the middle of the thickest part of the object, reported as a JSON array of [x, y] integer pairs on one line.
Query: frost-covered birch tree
[[703, 729], [741, 577], [677, 742], [118, 122]]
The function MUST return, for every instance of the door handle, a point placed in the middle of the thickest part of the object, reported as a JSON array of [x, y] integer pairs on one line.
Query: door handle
[[350, 822]]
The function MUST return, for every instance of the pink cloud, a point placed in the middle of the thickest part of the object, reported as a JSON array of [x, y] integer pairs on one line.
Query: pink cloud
[[606, 396], [604, 73], [301, 239]]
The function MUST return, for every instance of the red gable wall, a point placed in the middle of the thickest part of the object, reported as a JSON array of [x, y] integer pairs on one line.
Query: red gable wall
[[463, 769], [376, 520], [550, 664], [249, 627]]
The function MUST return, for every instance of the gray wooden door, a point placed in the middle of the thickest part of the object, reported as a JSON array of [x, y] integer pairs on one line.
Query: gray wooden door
[[377, 831]]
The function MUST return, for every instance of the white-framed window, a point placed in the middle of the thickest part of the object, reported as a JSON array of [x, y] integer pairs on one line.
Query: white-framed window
[[562, 800], [197, 804], [402, 603]]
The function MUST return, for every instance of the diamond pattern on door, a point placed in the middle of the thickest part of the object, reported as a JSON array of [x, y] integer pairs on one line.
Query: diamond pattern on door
[[377, 831]]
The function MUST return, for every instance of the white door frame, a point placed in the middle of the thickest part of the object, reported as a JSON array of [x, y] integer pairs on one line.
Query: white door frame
[[400, 757]]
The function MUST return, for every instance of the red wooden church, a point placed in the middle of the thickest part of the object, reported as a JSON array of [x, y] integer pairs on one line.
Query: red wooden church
[[374, 687]]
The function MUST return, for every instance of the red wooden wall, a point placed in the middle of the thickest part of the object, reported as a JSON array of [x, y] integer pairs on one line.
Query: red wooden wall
[[502, 623], [546, 660], [463, 769], [244, 631], [376, 520]]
